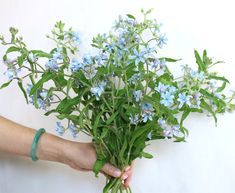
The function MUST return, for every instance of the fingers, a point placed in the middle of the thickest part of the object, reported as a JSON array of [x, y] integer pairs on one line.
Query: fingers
[[111, 170]]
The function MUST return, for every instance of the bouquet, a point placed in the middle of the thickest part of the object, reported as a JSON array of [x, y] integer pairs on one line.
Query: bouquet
[[123, 96]]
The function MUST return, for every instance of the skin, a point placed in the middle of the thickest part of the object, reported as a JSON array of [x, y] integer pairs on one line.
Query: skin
[[17, 139]]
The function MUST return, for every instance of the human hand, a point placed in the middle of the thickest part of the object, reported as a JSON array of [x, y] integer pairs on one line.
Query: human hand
[[82, 156]]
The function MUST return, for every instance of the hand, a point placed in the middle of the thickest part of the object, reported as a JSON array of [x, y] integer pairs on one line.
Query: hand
[[82, 156]]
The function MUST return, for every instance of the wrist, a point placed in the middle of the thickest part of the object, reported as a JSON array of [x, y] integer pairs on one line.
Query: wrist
[[50, 148]]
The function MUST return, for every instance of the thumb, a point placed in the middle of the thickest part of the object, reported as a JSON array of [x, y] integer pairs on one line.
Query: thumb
[[111, 170]]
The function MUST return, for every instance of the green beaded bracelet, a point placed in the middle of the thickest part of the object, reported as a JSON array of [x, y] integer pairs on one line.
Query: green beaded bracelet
[[35, 143]]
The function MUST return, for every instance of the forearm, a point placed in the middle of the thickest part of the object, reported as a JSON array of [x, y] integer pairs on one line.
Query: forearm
[[17, 139]]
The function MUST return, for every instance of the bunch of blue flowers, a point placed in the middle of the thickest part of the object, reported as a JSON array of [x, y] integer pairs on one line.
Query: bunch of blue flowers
[[122, 97]]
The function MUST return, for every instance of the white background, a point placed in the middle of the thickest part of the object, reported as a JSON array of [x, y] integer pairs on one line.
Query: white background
[[205, 164]]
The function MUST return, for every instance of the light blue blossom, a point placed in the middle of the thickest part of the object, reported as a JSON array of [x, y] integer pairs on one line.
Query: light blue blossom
[[98, 89], [75, 37], [59, 128], [154, 64], [147, 116], [41, 104], [32, 57], [75, 65], [218, 95], [137, 94], [11, 73], [161, 122], [101, 59], [52, 65], [134, 119], [176, 130], [43, 94], [162, 40], [161, 88], [197, 75], [87, 59], [73, 129], [196, 100], [58, 55], [184, 99], [147, 106], [134, 79], [147, 112], [29, 87], [138, 57], [172, 89], [162, 63], [167, 132], [167, 99]]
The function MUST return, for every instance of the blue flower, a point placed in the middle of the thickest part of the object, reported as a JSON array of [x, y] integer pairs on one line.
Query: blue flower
[[162, 63], [59, 128], [162, 40], [176, 130], [161, 88], [147, 107], [43, 94], [73, 129], [184, 99], [147, 115], [11, 73], [147, 112], [98, 90], [197, 75], [58, 54], [161, 122], [101, 59], [154, 64], [87, 60], [167, 99], [29, 87], [52, 65], [75, 65], [75, 37], [134, 119], [172, 89], [134, 79], [41, 104], [167, 132], [138, 57], [137, 94]]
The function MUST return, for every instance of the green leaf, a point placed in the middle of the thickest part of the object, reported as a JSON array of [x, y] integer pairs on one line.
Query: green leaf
[[111, 118], [20, 60], [199, 61], [98, 166], [170, 59], [218, 78], [69, 85], [5, 84], [207, 107], [41, 54], [184, 115], [221, 88], [12, 49], [45, 77], [23, 90], [146, 155], [130, 16]]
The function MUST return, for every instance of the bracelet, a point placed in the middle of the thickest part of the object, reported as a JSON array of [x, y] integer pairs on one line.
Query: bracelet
[[35, 143]]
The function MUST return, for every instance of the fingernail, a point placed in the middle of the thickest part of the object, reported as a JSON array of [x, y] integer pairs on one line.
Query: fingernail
[[117, 173], [127, 168], [124, 176]]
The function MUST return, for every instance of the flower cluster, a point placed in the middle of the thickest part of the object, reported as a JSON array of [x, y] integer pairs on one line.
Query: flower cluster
[[123, 96]]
